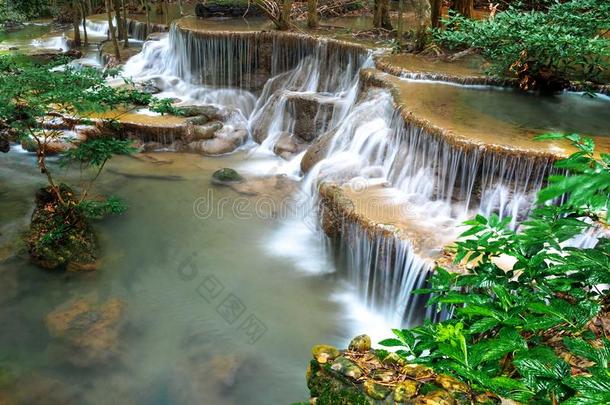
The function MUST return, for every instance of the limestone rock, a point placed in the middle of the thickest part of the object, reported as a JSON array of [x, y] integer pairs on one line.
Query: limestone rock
[[317, 151], [345, 366], [205, 131], [288, 145], [361, 343], [451, 384], [405, 390], [375, 390], [323, 353]]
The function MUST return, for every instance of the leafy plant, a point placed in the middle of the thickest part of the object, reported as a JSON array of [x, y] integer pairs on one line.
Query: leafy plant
[[565, 42], [535, 330], [32, 95]]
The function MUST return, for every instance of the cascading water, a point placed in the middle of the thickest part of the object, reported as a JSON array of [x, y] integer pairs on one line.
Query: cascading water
[[368, 142]]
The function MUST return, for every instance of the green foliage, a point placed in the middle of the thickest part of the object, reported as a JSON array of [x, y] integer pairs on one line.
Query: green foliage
[[165, 106], [31, 93], [96, 152], [524, 331], [563, 41], [98, 209]]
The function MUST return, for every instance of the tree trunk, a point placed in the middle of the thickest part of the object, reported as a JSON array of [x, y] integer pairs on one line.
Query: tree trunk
[[400, 29], [180, 8], [119, 20], [381, 15], [422, 14], [83, 8], [147, 6], [464, 7], [312, 13], [437, 9], [284, 22], [126, 38], [76, 22], [115, 43]]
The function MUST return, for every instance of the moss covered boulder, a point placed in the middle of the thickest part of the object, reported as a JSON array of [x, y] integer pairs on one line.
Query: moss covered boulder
[[361, 375], [226, 175], [61, 237]]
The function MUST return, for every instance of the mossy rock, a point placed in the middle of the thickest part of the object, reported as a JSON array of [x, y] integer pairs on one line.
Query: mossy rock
[[226, 175], [323, 353], [60, 237], [328, 390], [361, 343]]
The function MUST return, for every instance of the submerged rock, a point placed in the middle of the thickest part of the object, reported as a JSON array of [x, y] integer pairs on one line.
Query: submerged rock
[[90, 330], [226, 175]]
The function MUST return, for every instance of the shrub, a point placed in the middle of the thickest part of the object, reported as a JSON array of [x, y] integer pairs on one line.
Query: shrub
[[564, 43], [536, 331]]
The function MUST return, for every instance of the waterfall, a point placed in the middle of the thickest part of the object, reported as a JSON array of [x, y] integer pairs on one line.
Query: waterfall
[[355, 136]]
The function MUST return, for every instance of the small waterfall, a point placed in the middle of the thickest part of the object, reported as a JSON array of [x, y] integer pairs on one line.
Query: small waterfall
[[97, 28]]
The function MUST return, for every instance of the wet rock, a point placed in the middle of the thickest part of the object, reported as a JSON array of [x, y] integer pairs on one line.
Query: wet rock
[[383, 375], [437, 397], [209, 111], [73, 247], [417, 371], [311, 114], [223, 142], [205, 131], [451, 384], [89, 329], [149, 87], [199, 120], [345, 366], [288, 145], [405, 390], [375, 390], [324, 353], [393, 359], [361, 343], [317, 151], [487, 399], [226, 175]]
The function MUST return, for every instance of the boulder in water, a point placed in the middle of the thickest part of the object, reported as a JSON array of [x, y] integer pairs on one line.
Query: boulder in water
[[288, 145], [204, 132], [226, 175], [58, 240]]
